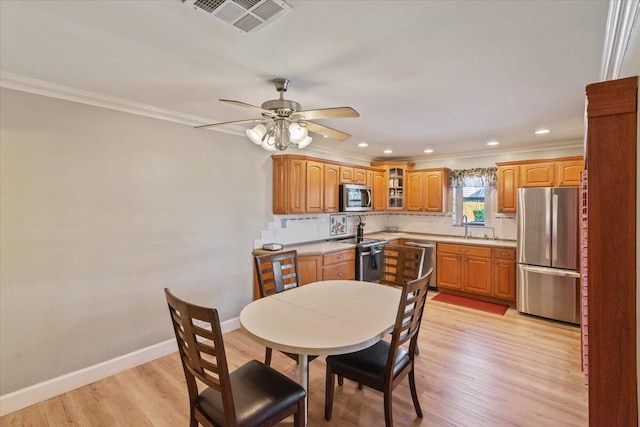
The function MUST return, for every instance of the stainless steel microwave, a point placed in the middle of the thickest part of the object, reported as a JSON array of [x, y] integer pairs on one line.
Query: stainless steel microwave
[[355, 198]]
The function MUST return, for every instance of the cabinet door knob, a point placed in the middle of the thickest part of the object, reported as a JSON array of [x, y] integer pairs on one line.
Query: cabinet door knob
[[340, 273]]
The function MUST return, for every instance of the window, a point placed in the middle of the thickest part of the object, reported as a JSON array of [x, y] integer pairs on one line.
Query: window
[[473, 204], [471, 190]]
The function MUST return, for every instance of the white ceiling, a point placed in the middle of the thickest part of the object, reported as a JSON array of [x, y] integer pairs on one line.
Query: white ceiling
[[444, 75]]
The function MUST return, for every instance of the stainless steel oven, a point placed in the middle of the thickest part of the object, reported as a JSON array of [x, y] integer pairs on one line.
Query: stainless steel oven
[[368, 253]]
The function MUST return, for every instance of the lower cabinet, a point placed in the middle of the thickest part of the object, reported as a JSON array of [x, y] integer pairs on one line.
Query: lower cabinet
[[478, 270], [504, 273], [332, 266]]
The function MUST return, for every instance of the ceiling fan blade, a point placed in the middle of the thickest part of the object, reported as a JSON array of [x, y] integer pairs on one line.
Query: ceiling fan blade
[[326, 113], [235, 122], [244, 104], [326, 131]]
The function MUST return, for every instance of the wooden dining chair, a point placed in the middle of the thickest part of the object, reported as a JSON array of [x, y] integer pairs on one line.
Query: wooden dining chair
[[385, 364], [252, 395], [401, 264], [276, 273]]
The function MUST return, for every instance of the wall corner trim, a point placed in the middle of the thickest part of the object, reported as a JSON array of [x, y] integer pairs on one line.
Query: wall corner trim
[[40, 392]]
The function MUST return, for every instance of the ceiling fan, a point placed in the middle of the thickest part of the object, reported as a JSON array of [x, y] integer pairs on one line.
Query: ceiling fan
[[284, 124]]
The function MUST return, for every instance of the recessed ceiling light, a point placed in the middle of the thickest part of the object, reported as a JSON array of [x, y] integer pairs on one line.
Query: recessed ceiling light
[[542, 131], [493, 143], [428, 151], [388, 151], [363, 144]]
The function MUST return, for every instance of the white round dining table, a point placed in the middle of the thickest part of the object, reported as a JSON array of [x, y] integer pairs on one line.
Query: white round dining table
[[322, 318]]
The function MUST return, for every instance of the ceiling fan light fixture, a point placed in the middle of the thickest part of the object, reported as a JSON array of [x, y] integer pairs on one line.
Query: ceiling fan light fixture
[[257, 133], [305, 142], [297, 133], [269, 143]]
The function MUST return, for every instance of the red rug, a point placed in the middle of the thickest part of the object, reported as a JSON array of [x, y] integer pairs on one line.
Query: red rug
[[489, 307]]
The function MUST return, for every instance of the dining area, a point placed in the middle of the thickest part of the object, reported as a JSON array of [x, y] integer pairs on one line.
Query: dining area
[[473, 369], [295, 341], [345, 320]]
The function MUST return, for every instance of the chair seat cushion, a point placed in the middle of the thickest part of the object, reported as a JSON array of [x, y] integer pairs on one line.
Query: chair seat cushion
[[259, 392], [368, 365]]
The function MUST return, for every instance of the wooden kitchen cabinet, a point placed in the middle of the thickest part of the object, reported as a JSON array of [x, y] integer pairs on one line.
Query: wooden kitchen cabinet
[[353, 175], [379, 190], [309, 268], [289, 184], [359, 176], [339, 265], [322, 186], [395, 176], [507, 188], [477, 270], [568, 173], [558, 172], [537, 174], [504, 273], [464, 267], [427, 190]]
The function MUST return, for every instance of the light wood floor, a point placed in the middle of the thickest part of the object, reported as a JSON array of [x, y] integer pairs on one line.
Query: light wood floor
[[474, 369]]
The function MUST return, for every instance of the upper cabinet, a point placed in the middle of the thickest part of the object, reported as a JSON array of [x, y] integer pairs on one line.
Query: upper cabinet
[[310, 185], [395, 179], [560, 172], [353, 175], [537, 174], [507, 185], [427, 190], [379, 186], [322, 187], [289, 184], [568, 172]]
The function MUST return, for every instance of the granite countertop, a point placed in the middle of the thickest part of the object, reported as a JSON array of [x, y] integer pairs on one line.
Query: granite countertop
[[442, 239], [313, 248], [324, 247]]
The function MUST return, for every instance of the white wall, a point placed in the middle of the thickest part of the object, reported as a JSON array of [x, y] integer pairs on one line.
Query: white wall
[[100, 211]]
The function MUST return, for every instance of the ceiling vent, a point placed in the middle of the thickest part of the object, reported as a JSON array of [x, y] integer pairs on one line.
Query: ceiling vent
[[245, 15]]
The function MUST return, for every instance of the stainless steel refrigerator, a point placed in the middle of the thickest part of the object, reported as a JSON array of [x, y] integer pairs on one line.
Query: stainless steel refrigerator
[[547, 253]]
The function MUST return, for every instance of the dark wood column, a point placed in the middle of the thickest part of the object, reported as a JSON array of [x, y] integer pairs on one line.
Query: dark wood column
[[611, 164]]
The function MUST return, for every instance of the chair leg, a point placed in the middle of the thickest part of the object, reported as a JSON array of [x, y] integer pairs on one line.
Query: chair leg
[[417, 350], [328, 394], [414, 394], [299, 418], [267, 356], [388, 418], [192, 419], [340, 380]]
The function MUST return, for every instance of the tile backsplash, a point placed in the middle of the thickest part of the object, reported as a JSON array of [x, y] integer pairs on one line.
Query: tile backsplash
[[289, 229]]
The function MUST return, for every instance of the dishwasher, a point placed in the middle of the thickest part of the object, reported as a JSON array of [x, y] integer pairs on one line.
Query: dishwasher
[[429, 259]]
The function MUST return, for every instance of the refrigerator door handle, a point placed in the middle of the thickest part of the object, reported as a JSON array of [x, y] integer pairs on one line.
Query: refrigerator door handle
[[554, 228], [550, 271], [547, 230]]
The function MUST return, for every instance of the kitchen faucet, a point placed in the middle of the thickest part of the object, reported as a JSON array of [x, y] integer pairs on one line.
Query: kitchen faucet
[[465, 222]]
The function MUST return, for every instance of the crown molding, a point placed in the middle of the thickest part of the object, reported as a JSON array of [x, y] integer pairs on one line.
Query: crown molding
[[621, 19], [52, 90]]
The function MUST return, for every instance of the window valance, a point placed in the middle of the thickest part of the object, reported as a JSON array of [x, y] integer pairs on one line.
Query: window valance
[[476, 177]]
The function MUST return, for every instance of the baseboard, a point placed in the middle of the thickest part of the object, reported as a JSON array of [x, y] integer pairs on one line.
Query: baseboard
[[40, 392]]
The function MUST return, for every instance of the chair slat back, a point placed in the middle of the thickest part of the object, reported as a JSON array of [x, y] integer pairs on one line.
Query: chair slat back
[[409, 316], [277, 272], [401, 264], [199, 337]]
